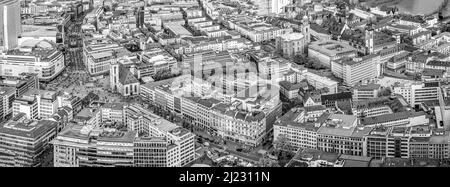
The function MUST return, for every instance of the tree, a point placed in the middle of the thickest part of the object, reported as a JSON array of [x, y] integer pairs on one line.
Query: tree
[[407, 40], [299, 59], [281, 142], [385, 92]]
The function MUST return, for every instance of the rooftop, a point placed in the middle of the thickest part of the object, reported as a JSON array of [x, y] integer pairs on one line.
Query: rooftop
[[28, 128], [331, 47], [38, 31], [339, 124], [390, 117], [292, 36]]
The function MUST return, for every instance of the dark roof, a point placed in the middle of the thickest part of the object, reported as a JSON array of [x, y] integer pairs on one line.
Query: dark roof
[[439, 63], [336, 96], [318, 28], [125, 76], [290, 87], [433, 72], [315, 108]]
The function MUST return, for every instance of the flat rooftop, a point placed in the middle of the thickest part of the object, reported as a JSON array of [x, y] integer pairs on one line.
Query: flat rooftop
[[28, 129], [390, 117], [339, 124]]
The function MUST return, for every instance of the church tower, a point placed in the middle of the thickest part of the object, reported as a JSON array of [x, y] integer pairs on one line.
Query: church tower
[[306, 29], [369, 40], [114, 73]]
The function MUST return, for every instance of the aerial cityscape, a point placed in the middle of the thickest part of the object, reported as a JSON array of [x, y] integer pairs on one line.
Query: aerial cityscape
[[225, 83]]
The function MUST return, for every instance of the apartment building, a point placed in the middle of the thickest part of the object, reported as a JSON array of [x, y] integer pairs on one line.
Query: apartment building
[[246, 118]]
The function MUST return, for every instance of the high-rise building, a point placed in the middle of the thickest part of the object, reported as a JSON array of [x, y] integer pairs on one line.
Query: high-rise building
[[271, 6], [139, 17], [10, 26]]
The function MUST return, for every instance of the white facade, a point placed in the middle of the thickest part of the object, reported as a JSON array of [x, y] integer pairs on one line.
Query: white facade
[[417, 93], [10, 26], [18, 61]]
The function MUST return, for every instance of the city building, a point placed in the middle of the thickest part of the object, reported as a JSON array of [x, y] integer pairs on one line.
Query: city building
[[403, 119], [10, 25], [333, 100], [33, 56], [22, 143], [330, 50], [356, 70], [36, 104], [365, 92], [295, 130], [294, 43], [98, 53], [123, 80], [271, 7], [416, 93], [256, 31], [144, 122], [7, 96], [340, 134], [155, 61], [112, 112], [22, 83]]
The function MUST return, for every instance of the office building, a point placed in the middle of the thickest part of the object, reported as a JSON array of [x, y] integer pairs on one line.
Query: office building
[[340, 134], [23, 142], [416, 93], [356, 70]]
